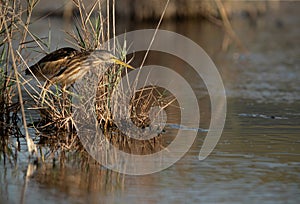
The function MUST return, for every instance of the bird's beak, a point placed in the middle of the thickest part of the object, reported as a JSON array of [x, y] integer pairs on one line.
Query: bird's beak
[[119, 62]]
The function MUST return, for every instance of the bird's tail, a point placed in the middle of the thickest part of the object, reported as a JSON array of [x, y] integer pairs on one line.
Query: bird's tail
[[28, 71], [31, 69]]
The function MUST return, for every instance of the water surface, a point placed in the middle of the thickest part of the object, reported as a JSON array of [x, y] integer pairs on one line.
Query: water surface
[[257, 159]]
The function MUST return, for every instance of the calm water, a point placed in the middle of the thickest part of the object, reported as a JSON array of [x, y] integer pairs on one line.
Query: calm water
[[257, 159]]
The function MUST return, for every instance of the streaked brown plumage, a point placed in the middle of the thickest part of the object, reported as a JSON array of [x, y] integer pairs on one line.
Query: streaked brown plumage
[[64, 66], [51, 64]]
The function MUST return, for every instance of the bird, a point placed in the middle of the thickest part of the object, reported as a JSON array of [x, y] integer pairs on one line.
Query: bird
[[66, 65], [50, 65]]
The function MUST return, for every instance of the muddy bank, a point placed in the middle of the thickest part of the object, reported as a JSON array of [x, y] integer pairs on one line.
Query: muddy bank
[[152, 9]]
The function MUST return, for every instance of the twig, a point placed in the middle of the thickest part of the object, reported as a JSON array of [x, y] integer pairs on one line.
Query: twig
[[30, 144], [114, 25], [156, 29], [107, 17], [227, 25]]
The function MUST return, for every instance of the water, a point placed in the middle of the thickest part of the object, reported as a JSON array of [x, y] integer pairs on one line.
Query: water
[[257, 159]]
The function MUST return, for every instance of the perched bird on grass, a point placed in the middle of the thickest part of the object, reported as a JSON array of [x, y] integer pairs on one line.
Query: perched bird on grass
[[66, 65]]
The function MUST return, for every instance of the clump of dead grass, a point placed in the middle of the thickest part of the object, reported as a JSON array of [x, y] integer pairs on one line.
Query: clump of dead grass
[[14, 22], [91, 32], [56, 127]]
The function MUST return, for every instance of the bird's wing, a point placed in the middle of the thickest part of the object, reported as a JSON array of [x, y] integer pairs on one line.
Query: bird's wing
[[59, 54], [50, 63]]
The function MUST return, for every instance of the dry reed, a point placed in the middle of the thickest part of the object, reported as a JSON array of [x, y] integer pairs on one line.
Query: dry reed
[[56, 128]]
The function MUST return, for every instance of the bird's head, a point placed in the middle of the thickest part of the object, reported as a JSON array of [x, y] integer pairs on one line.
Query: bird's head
[[105, 56]]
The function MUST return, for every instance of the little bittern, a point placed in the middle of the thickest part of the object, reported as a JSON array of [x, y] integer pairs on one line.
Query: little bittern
[[64, 66]]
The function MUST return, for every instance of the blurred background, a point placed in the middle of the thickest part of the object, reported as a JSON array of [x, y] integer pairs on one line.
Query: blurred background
[[257, 159]]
